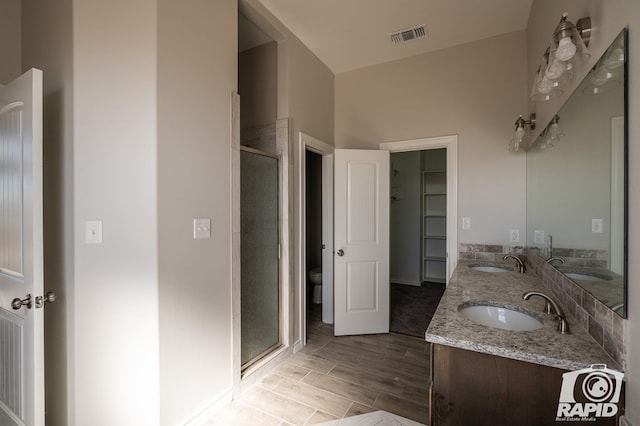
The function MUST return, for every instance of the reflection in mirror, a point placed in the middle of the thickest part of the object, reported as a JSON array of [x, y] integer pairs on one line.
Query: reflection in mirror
[[576, 184]]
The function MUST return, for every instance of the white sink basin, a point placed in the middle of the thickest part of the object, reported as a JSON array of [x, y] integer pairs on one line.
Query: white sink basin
[[586, 277], [499, 316], [490, 268]]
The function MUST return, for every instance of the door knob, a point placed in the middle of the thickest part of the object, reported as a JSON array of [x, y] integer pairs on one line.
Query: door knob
[[50, 297], [18, 303], [340, 252]]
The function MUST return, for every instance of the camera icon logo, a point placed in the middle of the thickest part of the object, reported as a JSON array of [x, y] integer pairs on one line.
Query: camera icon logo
[[589, 393]]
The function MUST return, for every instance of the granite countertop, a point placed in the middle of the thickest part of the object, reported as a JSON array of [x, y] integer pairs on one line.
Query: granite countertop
[[544, 346]]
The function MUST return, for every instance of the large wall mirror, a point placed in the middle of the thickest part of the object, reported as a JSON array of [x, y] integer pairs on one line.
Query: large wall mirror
[[576, 183]]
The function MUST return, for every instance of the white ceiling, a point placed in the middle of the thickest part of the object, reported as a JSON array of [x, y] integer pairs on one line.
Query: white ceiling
[[351, 34]]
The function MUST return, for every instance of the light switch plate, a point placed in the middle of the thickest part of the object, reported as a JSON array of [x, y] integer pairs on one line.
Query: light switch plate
[[466, 223], [202, 228], [93, 232], [596, 226]]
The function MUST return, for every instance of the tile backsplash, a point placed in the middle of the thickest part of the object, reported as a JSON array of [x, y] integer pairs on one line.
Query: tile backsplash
[[605, 326], [487, 252]]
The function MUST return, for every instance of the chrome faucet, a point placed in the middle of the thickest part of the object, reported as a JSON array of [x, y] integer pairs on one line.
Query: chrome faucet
[[563, 325], [558, 258], [521, 267]]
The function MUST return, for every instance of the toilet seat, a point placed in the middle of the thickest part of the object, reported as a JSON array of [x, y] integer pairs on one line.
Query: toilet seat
[[315, 273]]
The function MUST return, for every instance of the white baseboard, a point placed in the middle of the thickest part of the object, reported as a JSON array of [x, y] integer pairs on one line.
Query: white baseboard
[[208, 412], [406, 282], [297, 346]]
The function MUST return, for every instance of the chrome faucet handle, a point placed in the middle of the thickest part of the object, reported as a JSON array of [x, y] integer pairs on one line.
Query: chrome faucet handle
[[563, 325], [521, 267]]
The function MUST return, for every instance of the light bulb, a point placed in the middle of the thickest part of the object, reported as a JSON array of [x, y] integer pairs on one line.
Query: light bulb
[[601, 76], [615, 59], [554, 133], [566, 49], [555, 69], [519, 136]]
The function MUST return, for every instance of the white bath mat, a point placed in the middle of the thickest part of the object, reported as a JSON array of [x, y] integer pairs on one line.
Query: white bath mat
[[377, 418]]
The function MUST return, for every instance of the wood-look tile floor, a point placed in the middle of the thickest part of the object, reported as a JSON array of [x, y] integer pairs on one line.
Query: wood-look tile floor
[[338, 377]]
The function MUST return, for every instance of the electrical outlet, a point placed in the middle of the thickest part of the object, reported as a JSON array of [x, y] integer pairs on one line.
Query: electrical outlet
[[202, 228], [538, 236], [514, 235], [596, 226], [466, 223]]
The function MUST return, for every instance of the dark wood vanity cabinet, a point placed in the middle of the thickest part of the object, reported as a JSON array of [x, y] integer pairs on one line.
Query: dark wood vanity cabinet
[[472, 388]]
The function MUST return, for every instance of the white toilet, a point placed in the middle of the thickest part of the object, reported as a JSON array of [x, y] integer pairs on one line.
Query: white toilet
[[315, 276]]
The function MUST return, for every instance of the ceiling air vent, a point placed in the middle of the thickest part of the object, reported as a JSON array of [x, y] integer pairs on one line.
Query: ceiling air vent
[[408, 34]]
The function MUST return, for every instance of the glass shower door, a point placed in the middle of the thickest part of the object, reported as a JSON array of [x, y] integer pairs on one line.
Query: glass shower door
[[260, 289]]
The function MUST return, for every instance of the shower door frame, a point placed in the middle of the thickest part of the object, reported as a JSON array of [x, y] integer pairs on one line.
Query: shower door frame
[[249, 366]]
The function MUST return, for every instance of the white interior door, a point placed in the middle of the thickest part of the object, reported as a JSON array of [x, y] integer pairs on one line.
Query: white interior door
[[21, 259], [361, 242]]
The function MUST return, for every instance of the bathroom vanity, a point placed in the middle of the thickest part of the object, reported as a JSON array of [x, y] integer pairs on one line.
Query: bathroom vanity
[[487, 375]]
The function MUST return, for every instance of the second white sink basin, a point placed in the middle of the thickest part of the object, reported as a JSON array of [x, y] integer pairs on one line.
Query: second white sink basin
[[490, 268], [496, 315], [586, 276]]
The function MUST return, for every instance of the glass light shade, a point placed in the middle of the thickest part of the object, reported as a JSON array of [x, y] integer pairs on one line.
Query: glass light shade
[[614, 59], [556, 68], [554, 133], [514, 146], [602, 79], [544, 88], [520, 136], [567, 44]]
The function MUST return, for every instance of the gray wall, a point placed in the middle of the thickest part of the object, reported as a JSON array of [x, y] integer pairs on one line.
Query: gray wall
[[197, 72], [10, 40], [115, 356], [468, 90], [258, 84]]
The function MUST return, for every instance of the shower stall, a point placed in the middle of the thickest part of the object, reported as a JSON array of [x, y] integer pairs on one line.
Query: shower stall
[[260, 254]]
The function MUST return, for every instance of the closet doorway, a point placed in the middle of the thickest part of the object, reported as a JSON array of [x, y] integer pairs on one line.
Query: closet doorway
[[423, 228], [418, 213]]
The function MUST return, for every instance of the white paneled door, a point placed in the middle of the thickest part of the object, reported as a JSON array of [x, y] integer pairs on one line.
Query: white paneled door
[[21, 258], [361, 242]]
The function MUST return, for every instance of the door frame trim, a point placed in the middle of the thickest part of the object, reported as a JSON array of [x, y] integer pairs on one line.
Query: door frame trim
[[449, 142], [305, 143]]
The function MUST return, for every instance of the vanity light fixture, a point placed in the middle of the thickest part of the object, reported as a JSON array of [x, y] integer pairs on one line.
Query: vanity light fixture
[[568, 48], [521, 134]]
